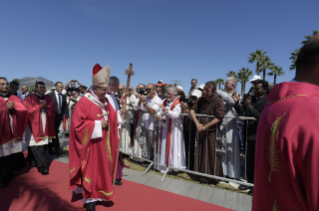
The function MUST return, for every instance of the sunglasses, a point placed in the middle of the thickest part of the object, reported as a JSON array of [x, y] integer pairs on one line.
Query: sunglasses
[[148, 90]]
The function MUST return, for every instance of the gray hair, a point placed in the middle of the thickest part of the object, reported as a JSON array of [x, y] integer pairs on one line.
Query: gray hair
[[194, 79], [234, 81], [114, 80], [154, 86], [173, 88]]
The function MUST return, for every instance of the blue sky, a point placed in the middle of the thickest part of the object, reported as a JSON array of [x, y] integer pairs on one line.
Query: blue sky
[[164, 39]]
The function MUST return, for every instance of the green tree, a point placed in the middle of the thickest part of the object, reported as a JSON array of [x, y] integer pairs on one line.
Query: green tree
[[276, 71], [257, 56], [294, 55], [17, 80], [243, 76], [231, 74], [219, 81], [265, 64], [32, 88]]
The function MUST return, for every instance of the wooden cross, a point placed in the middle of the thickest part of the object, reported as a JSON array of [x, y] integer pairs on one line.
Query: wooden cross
[[129, 73]]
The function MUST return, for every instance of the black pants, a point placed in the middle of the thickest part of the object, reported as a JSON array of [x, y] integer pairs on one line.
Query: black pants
[[250, 160], [189, 137], [9, 164], [56, 141], [38, 156]]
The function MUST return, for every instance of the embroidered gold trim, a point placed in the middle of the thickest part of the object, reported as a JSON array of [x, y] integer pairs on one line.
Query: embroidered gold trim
[[72, 170], [108, 146], [275, 207], [100, 115], [291, 96], [273, 151], [88, 180], [86, 135], [106, 194]]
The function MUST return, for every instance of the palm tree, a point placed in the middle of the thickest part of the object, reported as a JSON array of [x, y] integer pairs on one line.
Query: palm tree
[[265, 63], [243, 76], [276, 71], [258, 55], [219, 81], [231, 74], [308, 37], [293, 57], [295, 54]]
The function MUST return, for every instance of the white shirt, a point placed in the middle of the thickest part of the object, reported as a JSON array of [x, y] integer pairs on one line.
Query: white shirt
[[148, 120], [57, 99]]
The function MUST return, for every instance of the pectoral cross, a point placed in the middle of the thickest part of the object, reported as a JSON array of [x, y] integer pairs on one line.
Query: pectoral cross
[[129, 73]]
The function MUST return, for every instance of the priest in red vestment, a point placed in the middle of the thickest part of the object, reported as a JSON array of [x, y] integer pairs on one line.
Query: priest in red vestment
[[40, 129], [287, 144], [93, 144], [13, 117]]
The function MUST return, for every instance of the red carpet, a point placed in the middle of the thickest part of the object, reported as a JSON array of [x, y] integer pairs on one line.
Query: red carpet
[[31, 191]]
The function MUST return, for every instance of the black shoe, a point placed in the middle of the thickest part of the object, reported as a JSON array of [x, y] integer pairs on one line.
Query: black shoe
[[4, 184], [118, 182], [44, 171], [91, 206]]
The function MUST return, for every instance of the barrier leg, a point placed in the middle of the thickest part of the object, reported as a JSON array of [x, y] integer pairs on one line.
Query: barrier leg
[[148, 168], [166, 171]]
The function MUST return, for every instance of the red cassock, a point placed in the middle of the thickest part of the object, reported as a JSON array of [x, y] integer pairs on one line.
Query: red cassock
[[19, 118], [287, 150], [92, 161], [32, 104]]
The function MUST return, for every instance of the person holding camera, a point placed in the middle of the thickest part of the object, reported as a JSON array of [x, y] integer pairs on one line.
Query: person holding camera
[[149, 104], [73, 85]]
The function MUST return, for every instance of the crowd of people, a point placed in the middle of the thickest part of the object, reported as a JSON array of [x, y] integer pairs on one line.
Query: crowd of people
[[109, 117]]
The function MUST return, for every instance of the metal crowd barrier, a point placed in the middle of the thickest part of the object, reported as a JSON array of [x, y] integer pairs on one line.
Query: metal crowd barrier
[[222, 137]]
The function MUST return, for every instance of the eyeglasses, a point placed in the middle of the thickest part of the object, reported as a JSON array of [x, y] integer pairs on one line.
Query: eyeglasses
[[4, 84], [256, 89], [148, 90]]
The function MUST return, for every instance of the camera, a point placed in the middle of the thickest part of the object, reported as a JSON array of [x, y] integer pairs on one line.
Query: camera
[[74, 81], [142, 92]]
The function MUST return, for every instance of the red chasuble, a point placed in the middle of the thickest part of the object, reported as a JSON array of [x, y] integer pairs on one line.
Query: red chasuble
[[92, 161], [287, 150], [176, 102], [32, 103], [19, 117]]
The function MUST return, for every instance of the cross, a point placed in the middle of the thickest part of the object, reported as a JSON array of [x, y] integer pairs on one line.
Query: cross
[[129, 73]]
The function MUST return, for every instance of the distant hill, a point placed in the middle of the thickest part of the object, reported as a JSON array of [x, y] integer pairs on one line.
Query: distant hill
[[28, 81]]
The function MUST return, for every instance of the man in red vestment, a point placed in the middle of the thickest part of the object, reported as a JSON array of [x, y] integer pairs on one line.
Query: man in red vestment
[[93, 144], [287, 144], [40, 130], [13, 117]]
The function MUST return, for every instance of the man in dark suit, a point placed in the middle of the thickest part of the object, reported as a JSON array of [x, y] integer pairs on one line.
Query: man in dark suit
[[25, 92], [62, 109], [252, 107]]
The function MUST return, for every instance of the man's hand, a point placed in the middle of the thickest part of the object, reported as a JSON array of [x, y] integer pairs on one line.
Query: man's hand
[[142, 98], [200, 127], [69, 120], [43, 104], [236, 97], [248, 101], [159, 118], [161, 106], [103, 123], [10, 105]]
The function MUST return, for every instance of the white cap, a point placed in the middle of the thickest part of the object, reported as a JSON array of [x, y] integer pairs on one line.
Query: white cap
[[201, 86], [196, 93], [53, 87], [160, 80], [255, 78], [63, 92], [179, 87]]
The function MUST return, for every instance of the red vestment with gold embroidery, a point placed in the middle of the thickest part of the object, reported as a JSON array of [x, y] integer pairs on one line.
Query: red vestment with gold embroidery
[[92, 161], [287, 150]]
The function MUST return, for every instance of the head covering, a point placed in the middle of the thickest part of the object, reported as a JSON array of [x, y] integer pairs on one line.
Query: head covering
[[63, 92], [101, 75], [160, 81], [160, 84], [179, 87], [196, 93], [53, 88], [201, 87], [255, 77]]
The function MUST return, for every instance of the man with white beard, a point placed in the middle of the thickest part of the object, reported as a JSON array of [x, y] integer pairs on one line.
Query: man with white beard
[[171, 148], [231, 160]]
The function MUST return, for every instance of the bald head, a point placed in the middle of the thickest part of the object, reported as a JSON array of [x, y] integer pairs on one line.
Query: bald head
[[24, 89], [316, 37]]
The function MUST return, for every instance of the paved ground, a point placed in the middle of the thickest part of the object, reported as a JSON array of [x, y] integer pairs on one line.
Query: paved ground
[[227, 199]]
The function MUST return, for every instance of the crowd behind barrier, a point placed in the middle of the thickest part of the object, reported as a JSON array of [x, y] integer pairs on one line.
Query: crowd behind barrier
[[222, 137]]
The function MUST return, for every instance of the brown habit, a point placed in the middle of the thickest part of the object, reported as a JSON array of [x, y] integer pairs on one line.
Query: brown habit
[[215, 107]]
